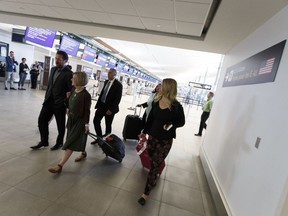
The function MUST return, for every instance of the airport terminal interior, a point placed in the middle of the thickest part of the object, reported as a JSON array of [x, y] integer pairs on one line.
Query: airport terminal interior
[[98, 185], [237, 167]]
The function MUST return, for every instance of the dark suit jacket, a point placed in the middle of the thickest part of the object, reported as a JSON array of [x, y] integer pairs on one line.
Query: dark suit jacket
[[57, 90], [113, 97]]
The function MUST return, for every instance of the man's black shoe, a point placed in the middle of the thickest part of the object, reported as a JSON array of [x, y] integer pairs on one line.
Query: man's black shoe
[[198, 134], [40, 144], [6, 88], [56, 147], [12, 88]]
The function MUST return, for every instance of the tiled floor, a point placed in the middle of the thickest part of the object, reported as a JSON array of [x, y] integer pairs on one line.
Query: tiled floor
[[99, 185]]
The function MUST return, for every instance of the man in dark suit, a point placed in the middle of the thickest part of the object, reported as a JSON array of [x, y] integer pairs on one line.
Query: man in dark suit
[[59, 85], [108, 103]]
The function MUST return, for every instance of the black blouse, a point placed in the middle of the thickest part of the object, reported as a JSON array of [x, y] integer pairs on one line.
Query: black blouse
[[159, 117], [22, 67]]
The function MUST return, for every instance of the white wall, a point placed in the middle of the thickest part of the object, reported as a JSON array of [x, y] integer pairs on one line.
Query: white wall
[[252, 181]]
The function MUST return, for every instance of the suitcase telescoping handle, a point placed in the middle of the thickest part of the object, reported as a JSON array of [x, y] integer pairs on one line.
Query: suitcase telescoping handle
[[94, 136], [135, 110]]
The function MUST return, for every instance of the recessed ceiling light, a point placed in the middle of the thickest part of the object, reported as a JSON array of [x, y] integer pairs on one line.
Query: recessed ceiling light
[[158, 25]]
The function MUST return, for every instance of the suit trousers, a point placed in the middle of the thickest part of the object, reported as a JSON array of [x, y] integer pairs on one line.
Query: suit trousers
[[204, 117], [99, 114], [34, 78], [48, 110]]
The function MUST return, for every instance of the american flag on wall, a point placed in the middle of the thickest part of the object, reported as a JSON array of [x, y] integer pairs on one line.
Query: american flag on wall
[[266, 66]]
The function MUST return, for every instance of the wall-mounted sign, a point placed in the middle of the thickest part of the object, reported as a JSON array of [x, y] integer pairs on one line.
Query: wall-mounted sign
[[260, 68]]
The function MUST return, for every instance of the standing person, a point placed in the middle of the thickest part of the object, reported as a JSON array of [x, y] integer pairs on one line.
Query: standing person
[[59, 85], [78, 121], [165, 117], [10, 70], [2, 68], [206, 112], [149, 102], [108, 104], [34, 73], [23, 68]]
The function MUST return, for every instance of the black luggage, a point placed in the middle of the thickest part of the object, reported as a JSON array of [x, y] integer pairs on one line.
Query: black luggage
[[111, 146], [132, 126]]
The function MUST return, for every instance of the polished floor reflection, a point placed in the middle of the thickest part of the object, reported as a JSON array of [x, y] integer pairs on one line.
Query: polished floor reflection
[[99, 185]]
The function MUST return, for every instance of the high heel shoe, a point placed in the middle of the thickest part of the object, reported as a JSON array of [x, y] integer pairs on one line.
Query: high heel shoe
[[81, 157], [142, 201], [56, 169]]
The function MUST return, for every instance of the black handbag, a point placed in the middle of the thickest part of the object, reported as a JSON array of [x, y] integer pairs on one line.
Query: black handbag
[[35, 72]]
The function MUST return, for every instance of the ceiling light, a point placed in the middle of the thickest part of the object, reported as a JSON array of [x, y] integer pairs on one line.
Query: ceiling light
[[158, 25]]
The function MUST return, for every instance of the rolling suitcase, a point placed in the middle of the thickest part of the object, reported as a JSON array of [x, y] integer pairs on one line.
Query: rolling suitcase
[[144, 156], [132, 126], [111, 146]]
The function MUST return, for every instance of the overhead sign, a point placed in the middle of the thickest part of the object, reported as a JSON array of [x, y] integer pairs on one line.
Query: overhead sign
[[200, 85], [69, 45], [89, 54], [44, 37]]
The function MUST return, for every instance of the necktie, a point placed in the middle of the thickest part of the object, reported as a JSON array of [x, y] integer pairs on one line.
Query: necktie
[[105, 92]]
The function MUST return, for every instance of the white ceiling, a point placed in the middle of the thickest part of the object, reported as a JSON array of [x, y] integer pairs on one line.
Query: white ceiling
[[169, 23], [185, 65], [170, 16], [172, 23]]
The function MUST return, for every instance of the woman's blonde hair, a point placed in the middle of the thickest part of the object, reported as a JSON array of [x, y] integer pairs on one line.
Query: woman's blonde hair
[[81, 78], [168, 90]]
